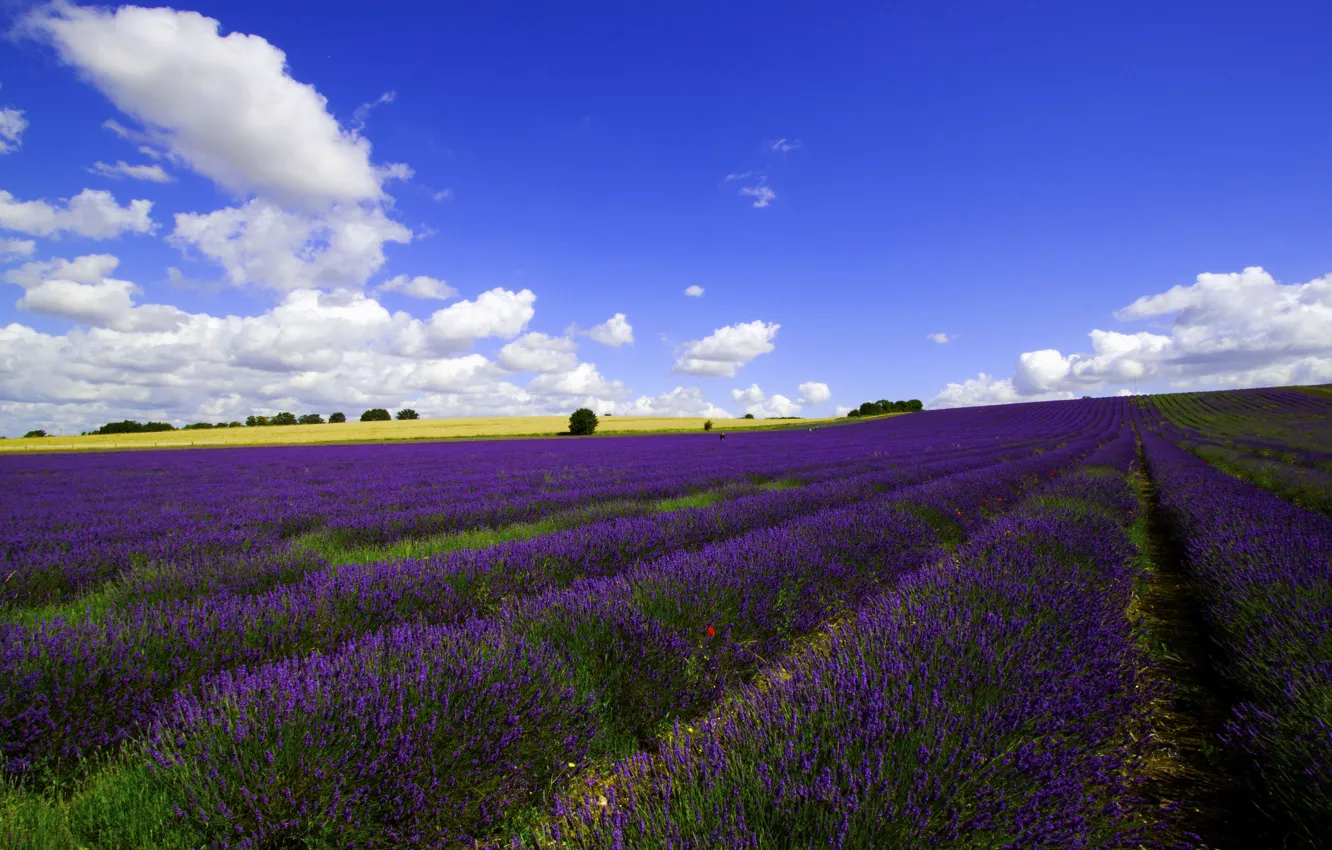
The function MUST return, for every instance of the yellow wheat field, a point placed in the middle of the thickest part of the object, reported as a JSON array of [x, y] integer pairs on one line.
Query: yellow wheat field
[[353, 432]]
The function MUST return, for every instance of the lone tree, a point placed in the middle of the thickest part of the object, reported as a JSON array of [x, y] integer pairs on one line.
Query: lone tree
[[749, 416], [582, 422], [408, 413], [337, 417], [707, 424], [376, 414]]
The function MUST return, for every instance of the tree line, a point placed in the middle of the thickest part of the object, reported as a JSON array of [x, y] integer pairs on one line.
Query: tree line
[[130, 426], [883, 405]]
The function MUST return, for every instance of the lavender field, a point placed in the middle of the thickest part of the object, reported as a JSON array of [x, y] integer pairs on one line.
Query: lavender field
[[1095, 623]]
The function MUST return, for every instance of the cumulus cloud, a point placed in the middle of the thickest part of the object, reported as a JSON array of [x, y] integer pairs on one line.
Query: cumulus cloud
[[762, 405], [264, 245], [762, 195], [940, 338], [12, 125], [225, 105], [90, 268], [1226, 330], [497, 313], [694, 291], [14, 248], [615, 331], [727, 349], [420, 286], [538, 352], [814, 393], [582, 380], [90, 213], [152, 173], [314, 350], [681, 401]]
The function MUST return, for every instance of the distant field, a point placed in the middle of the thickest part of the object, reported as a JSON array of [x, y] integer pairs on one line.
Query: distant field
[[351, 432]]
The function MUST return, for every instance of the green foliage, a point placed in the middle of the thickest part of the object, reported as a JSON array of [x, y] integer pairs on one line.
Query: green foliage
[[749, 416], [376, 414], [582, 422], [408, 413], [335, 418], [284, 418], [257, 421], [853, 414], [129, 426], [37, 433], [707, 425], [884, 406], [200, 426], [310, 419]]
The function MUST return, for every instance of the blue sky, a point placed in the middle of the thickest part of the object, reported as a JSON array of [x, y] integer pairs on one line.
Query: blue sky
[[1014, 179]]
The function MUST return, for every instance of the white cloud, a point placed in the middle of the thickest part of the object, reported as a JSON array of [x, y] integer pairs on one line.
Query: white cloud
[[762, 195], [223, 104], [940, 338], [313, 351], [12, 125], [90, 213], [362, 112], [694, 291], [681, 401], [762, 405], [582, 380], [538, 352], [443, 195], [814, 393], [1228, 330], [497, 313], [739, 175], [842, 410], [14, 248], [153, 173], [263, 245], [615, 331], [90, 268], [727, 349], [420, 286], [784, 145]]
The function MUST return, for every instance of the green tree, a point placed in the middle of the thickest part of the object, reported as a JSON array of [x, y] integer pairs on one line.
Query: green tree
[[37, 433], [582, 422], [853, 414], [310, 419], [284, 418], [408, 413], [337, 417], [915, 404], [707, 424], [376, 414], [257, 421], [749, 416]]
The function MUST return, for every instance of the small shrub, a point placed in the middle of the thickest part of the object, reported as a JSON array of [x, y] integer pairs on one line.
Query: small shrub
[[582, 422]]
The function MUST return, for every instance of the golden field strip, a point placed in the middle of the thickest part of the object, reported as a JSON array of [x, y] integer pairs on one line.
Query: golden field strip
[[372, 432]]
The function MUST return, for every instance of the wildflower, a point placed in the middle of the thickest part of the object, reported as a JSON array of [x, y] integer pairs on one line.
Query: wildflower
[[711, 632], [571, 764]]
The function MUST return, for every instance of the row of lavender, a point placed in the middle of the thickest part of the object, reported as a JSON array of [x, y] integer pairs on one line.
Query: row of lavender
[[70, 523], [71, 689], [425, 735], [983, 703], [1265, 570]]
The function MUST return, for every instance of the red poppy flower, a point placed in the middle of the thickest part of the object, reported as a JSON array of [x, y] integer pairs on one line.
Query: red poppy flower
[[711, 633]]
